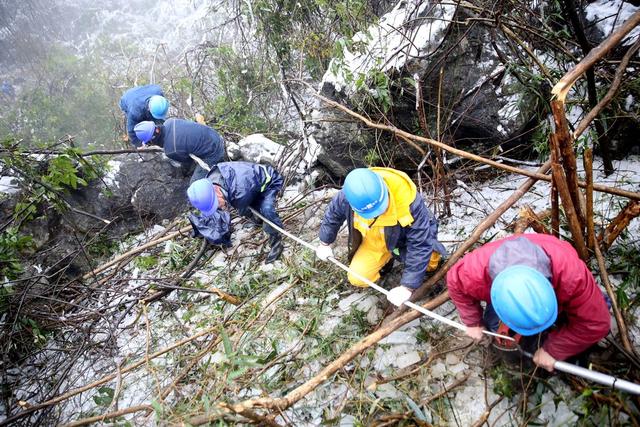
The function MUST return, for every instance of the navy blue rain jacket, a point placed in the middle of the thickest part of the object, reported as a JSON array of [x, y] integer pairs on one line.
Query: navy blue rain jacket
[[245, 181], [242, 183], [216, 229], [179, 138], [414, 243], [135, 105]]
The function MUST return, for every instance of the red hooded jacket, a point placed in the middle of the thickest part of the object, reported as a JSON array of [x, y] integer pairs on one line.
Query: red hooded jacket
[[578, 295]]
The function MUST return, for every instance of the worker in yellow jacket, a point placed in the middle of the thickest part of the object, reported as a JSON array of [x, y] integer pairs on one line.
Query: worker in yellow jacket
[[387, 218]]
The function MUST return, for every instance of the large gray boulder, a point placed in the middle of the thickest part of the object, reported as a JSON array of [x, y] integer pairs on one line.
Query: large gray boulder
[[479, 104]]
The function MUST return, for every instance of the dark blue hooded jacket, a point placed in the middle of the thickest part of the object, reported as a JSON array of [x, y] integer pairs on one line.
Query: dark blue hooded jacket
[[245, 181], [179, 138], [244, 185], [135, 104], [413, 245]]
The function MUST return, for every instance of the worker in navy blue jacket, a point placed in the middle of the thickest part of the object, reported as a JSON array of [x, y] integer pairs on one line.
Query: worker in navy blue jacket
[[181, 138], [242, 185], [143, 103]]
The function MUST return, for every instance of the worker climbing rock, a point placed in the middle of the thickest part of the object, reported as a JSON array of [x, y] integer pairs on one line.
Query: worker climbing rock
[[242, 185], [143, 103], [387, 219], [532, 284], [181, 138]]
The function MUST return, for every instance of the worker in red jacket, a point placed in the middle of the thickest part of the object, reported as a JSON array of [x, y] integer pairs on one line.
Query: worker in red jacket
[[526, 281]]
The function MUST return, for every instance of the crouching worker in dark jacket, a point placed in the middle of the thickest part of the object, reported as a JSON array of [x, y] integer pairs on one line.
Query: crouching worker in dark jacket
[[387, 219], [242, 185], [181, 138], [143, 103]]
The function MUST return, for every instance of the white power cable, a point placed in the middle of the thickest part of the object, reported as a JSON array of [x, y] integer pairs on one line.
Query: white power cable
[[380, 289]]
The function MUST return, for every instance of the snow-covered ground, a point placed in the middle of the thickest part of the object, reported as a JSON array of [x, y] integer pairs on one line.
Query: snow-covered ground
[[305, 313], [609, 15]]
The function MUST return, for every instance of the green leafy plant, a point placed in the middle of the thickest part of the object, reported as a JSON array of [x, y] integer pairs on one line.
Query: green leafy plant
[[12, 245], [104, 397]]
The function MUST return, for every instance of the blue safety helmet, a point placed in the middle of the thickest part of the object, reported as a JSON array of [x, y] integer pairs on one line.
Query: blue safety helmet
[[366, 192], [158, 107], [144, 131], [202, 196], [524, 299]]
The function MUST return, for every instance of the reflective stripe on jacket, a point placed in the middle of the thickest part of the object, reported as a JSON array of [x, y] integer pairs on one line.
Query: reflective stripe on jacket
[[410, 230], [578, 295]]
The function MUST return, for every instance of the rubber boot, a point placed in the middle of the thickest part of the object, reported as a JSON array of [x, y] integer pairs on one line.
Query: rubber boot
[[276, 248]]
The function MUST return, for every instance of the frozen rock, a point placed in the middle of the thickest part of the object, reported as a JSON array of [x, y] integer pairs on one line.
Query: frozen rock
[[457, 368], [350, 300], [257, 148], [438, 371], [374, 315], [367, 303], [347, 421], [399, 337], [387, 391], [452, 359], [407, 359]]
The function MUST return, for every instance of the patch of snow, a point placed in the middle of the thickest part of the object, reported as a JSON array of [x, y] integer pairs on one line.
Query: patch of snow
[[469, 403], [399, 337], [609, 15], [257, 148], [396, 357], [110, 178], [556, 416], [347, 302], [347, 421], [407, 359], [8, 185], [629, 101], [387, 391], [383, 45], [326, 328], [438, 370]]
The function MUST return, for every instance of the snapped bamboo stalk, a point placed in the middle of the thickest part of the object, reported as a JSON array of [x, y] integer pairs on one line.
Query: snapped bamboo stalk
[[619, 224], [570, 213], [566, 157], [622, 326], [555, 205], [528, 218], [587, 159]]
